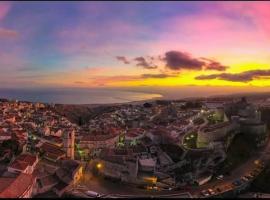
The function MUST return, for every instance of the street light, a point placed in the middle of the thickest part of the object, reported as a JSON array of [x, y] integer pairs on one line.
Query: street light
[[257, 162], [99, 165]]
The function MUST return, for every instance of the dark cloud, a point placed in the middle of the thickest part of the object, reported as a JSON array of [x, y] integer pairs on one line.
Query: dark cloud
[[214, 65], [238, 77], [123, 59], [141, 62], [176, 60], [157, 75]]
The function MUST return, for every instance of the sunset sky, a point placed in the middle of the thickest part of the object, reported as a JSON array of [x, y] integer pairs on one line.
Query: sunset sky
[[135, 44]]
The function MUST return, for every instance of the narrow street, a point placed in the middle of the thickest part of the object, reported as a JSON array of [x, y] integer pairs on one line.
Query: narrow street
[[109, 188]]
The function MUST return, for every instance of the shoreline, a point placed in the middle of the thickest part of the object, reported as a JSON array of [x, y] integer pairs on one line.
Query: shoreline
[[237, 95]]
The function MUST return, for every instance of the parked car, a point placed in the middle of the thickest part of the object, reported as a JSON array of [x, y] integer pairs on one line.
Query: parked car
[[244, 179], [211, 191], [92, 193], [205, 193], [251, 175], [220, 177], [168, 188], [248, 177]]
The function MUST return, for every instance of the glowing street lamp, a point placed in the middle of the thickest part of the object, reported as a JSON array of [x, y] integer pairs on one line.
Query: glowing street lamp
[[257, 162], [99, 165]]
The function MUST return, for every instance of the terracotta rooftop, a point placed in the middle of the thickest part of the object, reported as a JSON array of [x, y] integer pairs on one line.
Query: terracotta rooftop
[[86, 138], [15, 187], [50, 148], [19, 165], [22, 161]]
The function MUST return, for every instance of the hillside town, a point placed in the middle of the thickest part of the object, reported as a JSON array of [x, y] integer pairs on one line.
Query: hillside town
[[158, 147]]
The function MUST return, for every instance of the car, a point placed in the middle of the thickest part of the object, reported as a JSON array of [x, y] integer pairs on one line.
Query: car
[[248, 177], [149, 187], [155, 188], [244, 179], [211, 191], [220, 177], [92, 193], [251, 175], [205, 193], [167, 188]]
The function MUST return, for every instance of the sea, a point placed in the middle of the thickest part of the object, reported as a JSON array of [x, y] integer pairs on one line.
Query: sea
[[76, 96]]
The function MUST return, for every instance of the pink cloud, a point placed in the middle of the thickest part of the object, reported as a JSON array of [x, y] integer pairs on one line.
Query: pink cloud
[[256, 11], [4, 9], [209, 33]]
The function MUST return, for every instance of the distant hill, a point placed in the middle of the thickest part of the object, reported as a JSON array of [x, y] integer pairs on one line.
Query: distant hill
[[81, 114], [251, 95]]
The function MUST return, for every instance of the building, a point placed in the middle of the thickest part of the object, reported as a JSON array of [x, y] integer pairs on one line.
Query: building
[[147, 164], [69, 144], [98, 141], [216, 132], [118, 165], [24, 163], [68, 174], [51, 152], [4, 136], [255, 131], [18, 186], [45, 178]]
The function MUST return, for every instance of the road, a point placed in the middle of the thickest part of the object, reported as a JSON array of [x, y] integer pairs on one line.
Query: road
[[108, 188]]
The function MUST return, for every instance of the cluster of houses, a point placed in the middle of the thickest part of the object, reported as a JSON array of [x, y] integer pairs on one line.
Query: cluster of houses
[[155, 150], [36, 151], [137, 144]]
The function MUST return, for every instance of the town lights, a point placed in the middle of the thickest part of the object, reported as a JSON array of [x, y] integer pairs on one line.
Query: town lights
[[151, 179], [99, 165], [257, 162]]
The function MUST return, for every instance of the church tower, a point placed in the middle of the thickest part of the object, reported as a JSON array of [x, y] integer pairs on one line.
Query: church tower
[[69, 144]]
